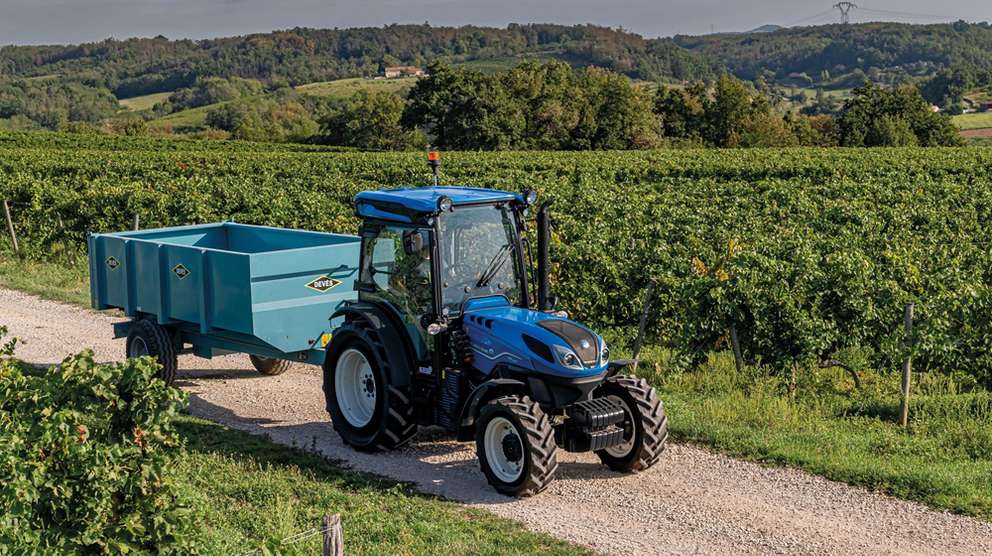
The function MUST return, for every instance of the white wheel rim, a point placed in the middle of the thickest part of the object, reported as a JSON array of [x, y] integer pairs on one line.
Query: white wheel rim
[[500, 432], [623, 449], [355, 387], [138, 347]]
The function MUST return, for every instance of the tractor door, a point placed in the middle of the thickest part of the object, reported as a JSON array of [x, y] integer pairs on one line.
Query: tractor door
[[396, 271]]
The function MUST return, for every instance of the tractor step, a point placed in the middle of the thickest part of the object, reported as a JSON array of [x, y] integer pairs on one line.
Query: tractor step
[[591, 425]]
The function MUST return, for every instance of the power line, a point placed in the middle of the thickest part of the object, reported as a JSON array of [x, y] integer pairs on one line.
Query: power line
[[906, 14], [812, 17]]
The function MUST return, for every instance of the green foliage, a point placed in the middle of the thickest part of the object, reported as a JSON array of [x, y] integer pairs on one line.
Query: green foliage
[[84, 454], [278, 119], [729, 115], [943, 459], [887, 52], [806, 252], [52, 104], [548, 106], [876, 117], [369, 120], [210, 90]]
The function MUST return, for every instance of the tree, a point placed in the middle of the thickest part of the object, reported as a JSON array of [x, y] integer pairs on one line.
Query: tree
[[369, 120], [876, 117], [463, 109]]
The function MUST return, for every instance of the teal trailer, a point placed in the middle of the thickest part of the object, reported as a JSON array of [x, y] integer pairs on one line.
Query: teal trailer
[[227, 287]]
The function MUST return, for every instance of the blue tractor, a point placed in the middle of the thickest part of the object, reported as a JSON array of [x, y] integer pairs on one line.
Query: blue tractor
[[448, 330], [436, 314]]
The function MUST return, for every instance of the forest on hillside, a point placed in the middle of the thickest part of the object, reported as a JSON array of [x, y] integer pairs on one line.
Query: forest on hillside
[[247, 83]]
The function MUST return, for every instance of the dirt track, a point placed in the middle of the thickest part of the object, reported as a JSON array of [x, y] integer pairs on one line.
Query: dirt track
[[692, 502]]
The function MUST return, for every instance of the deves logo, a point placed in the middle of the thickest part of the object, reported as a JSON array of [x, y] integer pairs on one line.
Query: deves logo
[[181, 271], [323, 284]]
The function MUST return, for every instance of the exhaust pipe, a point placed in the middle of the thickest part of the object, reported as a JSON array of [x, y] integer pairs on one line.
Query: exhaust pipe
[[543, 258]]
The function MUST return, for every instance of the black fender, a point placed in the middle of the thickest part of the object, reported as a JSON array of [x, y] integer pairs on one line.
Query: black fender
[[389, 327], [484, 392]]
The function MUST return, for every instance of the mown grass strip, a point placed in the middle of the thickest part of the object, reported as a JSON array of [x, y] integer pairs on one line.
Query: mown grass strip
[[253, 493]]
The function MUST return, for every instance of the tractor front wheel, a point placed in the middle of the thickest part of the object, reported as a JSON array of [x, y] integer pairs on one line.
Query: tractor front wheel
[[516, 446], [645, 425], [150, 339]]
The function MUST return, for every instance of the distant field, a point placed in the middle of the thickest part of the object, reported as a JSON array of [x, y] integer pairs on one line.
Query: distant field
[[144, 102], [347, 87], [194, 118], [973, 121]]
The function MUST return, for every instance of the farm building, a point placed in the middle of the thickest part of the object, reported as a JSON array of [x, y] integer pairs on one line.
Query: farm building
[[402, 71]]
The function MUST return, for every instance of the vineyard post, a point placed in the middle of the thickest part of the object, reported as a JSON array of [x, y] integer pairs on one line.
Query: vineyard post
[[636, 355], [136, 222], [735, 343], [333, 535], [10, 226], [907, 367]]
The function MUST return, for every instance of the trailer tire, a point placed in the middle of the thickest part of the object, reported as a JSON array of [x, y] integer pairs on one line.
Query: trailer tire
[[269, 365], [650, 424], [391, 423], [526, 457], [147, 338]]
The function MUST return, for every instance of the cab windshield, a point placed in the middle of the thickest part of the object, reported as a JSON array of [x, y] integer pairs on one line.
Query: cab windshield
[[478, 255]]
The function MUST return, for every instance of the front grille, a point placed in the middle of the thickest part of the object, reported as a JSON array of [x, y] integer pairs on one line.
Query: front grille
[[582, 341]]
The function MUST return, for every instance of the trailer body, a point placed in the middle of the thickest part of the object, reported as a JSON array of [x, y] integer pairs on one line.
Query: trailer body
[[229, 287]]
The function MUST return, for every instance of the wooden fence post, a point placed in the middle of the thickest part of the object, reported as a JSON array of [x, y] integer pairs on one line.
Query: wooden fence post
[[136, 222], [10, 226], [636, 355], [735, 343], [907, 367], [333, 535]]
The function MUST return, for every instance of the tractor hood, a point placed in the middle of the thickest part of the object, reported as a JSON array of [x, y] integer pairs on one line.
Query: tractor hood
[[542, 342]]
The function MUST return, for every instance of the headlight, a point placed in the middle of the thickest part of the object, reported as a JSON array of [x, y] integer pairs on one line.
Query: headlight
[[567, 358], [530, 196], [604, 353], [444, 204]]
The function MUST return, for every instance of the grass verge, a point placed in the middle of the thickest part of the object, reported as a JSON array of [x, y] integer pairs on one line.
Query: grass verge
[[944, 459], [252, 494]]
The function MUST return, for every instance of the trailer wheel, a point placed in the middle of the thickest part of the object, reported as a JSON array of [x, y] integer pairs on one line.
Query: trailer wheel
[[270, 365], [367, 410], [645, 423], [148, 338], [516, 446]]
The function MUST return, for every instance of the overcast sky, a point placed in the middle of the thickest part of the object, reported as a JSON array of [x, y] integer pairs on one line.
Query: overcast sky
[[73, 21]]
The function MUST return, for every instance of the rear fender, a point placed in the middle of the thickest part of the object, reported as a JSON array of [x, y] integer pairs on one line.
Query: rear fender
[[399, 350], [486, 391]]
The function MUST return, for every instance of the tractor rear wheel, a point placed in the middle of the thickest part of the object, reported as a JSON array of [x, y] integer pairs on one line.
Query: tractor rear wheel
[[645, 423], [367, 410], [270, 365], [147, 338], [515, 442]]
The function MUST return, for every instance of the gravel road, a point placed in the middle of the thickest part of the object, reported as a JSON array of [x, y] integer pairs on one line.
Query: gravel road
[[693, 501]]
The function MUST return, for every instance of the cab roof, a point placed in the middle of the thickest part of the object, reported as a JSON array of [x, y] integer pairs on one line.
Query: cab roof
[[406, 203]]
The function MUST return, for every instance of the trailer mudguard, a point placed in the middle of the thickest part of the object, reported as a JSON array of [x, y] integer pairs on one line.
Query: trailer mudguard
[[399, 351]]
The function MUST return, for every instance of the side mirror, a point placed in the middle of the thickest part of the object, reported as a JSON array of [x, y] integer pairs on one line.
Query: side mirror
[[413, 242]]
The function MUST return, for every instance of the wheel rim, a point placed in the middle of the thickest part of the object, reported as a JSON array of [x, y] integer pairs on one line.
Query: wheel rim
[[355, 387], [623, 449], [504, 449], [139, 348]]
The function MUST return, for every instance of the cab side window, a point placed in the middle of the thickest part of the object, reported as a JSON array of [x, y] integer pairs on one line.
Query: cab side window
[[398, 265]]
